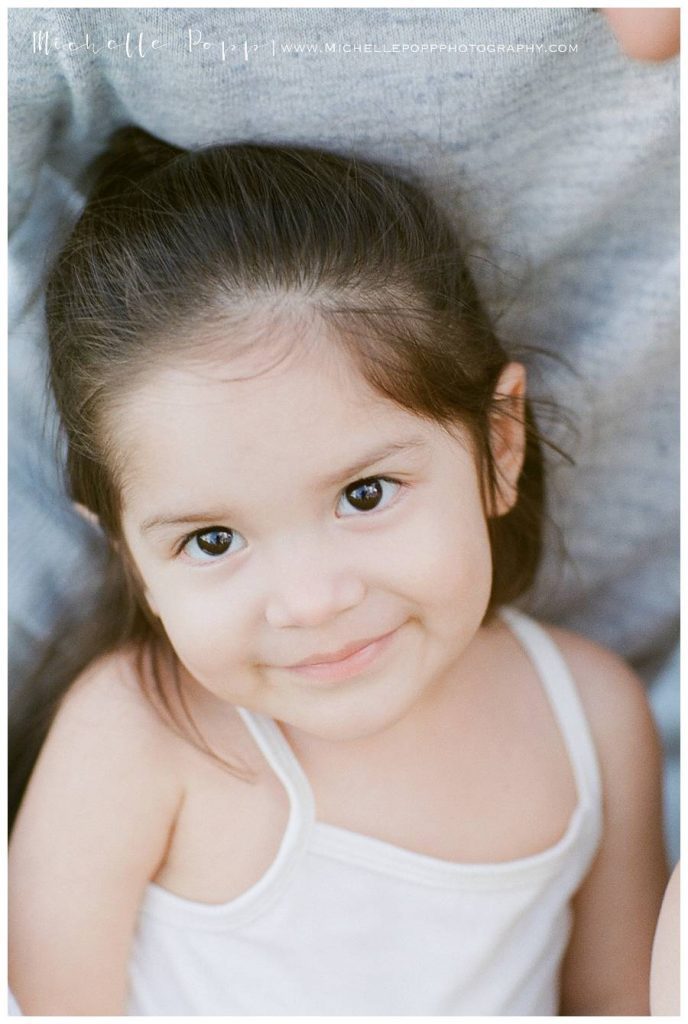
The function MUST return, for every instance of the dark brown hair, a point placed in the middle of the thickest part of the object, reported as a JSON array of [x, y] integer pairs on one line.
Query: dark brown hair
[[173, 243]]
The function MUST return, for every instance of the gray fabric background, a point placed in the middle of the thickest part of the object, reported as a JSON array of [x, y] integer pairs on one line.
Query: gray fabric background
[[561, 167]]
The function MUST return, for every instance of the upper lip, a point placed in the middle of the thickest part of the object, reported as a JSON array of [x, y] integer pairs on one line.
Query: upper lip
[[343, 652]]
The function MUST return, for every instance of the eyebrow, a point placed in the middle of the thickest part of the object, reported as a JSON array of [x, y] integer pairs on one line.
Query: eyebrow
[[213, 518]]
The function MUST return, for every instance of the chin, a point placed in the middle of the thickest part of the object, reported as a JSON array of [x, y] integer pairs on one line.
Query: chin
[[341, 732], [356, 723]]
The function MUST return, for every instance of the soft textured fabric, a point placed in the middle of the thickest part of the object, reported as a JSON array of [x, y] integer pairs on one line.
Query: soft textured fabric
[[563, 169], [346, 924]]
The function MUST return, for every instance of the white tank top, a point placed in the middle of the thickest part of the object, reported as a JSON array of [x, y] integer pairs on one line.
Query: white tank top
[[345, 924]]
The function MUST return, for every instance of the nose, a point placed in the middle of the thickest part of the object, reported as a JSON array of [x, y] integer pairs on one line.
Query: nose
[[308, 587]]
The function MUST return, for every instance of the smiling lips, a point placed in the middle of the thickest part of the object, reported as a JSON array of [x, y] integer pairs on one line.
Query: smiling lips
[[344, 663]]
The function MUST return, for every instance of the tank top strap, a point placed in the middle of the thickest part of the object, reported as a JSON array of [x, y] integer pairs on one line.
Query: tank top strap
[[284, 763], [565, 702]]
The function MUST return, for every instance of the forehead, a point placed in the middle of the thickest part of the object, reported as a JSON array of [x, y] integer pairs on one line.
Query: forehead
[[234, 420]]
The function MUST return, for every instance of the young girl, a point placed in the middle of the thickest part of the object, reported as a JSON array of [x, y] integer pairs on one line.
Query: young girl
[[324, 767]]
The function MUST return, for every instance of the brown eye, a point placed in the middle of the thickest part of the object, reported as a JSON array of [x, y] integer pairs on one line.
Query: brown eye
[[368, 495], [206, 545]]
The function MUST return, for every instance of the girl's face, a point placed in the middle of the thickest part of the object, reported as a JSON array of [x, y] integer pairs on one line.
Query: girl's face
[[297, 516]]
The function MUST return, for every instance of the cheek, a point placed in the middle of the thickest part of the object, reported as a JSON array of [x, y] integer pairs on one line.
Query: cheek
[[451, 559], [203, 623], [460, 591]]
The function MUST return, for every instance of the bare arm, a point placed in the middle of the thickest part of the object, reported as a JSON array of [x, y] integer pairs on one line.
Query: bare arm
[[606, 970], [646, 33], [93, 828], [666, 975]]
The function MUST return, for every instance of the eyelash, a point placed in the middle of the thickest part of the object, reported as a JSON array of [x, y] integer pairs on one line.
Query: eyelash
[[356, 483]]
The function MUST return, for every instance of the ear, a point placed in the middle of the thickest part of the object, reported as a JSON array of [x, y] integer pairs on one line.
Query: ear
[[134, 574], [86, 514], [151, 603], [508, 434], [93, 519]]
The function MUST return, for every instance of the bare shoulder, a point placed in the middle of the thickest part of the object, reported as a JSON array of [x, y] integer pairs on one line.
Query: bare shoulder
[[105, 713], [665, 975], [106, 745], [606, 968], [93, 828], [107, 701], [613, 696]]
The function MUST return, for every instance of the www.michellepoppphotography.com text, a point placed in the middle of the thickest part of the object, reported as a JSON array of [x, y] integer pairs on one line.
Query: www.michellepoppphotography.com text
[[135, 45]]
